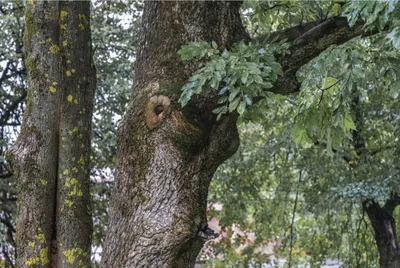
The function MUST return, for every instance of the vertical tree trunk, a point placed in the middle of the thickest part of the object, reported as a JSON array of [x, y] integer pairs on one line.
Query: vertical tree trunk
[[167, 156], [385, 232], [51, 156]]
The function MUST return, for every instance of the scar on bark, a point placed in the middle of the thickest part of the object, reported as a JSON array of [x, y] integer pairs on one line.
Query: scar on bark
[[157, 109]]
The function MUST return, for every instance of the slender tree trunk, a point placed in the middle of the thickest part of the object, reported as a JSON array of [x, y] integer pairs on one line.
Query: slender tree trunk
[[385, 232], [51, 156]]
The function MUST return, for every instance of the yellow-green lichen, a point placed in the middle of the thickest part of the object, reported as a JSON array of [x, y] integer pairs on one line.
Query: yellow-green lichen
[[63, 14], [66, 172], [52, 89], [54, 49], [83, 18], [74, 253], [69, 98], [31, 2], [75, 101], [82, 160], [32, 261], [75, 130], [73, 71], [68, 73], [31, 244], [44, 182], [80, 26], [75, 169], [65, 43], [48, 40], [68, 61], [68, 202], [44, 256], [76, 187], [63, 27]]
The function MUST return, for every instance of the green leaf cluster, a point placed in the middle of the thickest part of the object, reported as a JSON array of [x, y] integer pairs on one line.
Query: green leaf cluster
[[330, 82], [240, 75], [378, 15]]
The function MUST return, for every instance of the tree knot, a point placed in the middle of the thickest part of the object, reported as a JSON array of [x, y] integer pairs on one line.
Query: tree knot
[[157, 109], [206, 233]]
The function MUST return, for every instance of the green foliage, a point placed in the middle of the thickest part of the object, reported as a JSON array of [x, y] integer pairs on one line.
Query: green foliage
[[346, 119], [262, 17], [333, 79], [377, 15], [12, 93], [241, 74]]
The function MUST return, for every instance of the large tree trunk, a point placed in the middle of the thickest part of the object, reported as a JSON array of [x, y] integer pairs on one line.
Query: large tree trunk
[[385, 232], [167, 155], [51, 157]]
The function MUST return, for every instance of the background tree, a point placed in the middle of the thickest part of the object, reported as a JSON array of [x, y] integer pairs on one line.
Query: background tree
[[112, 88], [50, 159], [12, 95]]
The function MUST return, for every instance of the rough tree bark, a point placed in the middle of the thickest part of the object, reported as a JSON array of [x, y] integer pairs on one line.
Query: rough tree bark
[[50, 159], [167, 155], [384, 225]]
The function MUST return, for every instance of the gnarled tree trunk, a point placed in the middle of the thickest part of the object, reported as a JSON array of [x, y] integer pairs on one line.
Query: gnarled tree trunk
[[51, 156], [167, 156]]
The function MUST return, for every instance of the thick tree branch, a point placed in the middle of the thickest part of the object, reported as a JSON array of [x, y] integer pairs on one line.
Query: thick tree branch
[[307, 42]]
